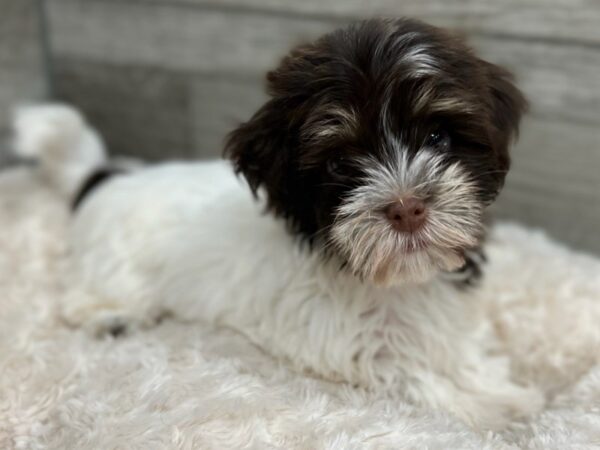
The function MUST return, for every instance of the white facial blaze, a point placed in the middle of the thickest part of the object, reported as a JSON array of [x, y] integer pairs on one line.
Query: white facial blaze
[[376, 251]]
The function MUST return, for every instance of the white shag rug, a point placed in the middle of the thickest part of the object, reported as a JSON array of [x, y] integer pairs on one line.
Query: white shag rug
[[194, 387]]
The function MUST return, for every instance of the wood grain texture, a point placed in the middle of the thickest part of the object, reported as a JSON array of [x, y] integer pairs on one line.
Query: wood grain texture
[[574, 20], [140, 111], [175, 38], [156, 113], [169, 78], [555, 181], [560, 79]]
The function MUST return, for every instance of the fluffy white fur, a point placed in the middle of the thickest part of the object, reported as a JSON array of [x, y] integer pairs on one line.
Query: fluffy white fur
[[189, 385]]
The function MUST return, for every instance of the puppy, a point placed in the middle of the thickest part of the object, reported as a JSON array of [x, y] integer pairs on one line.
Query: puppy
[[345, 247]]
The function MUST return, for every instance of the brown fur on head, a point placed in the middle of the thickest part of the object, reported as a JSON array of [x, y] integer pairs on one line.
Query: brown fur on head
[[370, 115]]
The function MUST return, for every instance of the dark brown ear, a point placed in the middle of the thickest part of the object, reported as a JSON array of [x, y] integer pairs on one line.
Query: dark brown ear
[[507, 107], [256, 148], [262, 148]]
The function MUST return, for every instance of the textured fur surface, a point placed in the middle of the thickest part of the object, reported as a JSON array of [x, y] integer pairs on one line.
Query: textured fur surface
[[192, 386]]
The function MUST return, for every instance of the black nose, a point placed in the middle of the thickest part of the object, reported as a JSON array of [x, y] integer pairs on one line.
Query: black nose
[[407, 215]]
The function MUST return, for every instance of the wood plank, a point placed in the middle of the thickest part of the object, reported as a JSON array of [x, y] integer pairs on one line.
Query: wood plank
[[140, 111], [555, 182], [157, 113], [560, 80], [568, 20], [175, 38]]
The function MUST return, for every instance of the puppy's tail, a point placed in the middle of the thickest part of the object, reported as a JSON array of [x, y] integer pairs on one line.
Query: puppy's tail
[[58, 137]]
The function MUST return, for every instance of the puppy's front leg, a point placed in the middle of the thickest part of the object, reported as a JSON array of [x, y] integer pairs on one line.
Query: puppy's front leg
[[481, 394], [493, 404]]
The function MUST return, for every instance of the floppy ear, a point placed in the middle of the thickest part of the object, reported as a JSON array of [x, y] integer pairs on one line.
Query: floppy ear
[[257, 148], [507, 107], [263, 148]]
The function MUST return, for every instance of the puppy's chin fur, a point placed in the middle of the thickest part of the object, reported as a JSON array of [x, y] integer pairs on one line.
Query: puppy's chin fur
[[418, 267]]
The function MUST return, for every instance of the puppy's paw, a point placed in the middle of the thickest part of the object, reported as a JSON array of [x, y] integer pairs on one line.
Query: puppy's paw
[[101, 318], [99, 322], [110, 323], [496, 410], [119, 324]]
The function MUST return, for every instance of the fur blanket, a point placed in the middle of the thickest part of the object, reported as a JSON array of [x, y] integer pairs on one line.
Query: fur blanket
[[189, 387]]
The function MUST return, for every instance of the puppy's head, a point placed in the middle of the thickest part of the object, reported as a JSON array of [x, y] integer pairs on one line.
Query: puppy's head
[[383, 143]]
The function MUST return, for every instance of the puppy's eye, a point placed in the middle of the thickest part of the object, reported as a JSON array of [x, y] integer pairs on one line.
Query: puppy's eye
[[438, 139], [337, 166]]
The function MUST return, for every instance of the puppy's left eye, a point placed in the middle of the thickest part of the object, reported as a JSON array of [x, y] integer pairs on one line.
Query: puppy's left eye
[[438, 139], [336, 166]]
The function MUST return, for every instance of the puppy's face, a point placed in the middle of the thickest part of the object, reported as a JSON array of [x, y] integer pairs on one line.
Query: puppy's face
[[383, 143]]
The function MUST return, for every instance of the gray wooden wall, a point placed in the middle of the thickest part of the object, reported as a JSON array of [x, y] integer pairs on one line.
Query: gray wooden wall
[[164, 78]]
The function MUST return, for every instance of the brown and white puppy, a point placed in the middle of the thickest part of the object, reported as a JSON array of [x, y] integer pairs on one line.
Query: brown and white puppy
[[383, 142], [375, 157]]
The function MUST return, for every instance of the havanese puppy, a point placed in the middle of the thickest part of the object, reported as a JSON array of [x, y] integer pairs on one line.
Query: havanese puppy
[[346, 247]]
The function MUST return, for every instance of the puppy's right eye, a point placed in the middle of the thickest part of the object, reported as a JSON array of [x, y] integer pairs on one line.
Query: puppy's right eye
[[439, 138], [336, 166]]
